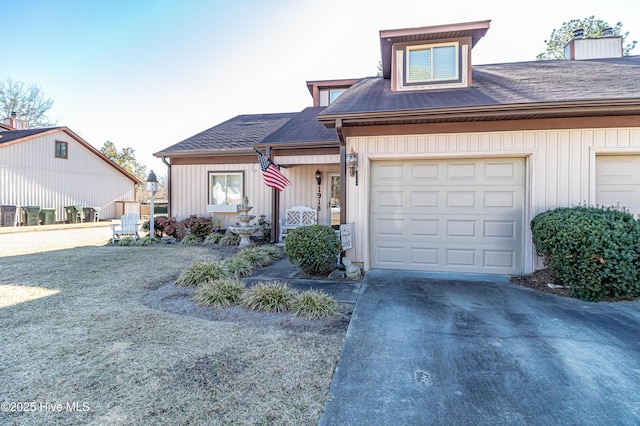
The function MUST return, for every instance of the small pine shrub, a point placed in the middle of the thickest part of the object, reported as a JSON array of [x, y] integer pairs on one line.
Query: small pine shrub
[[126, 242], [237, 266], [595, 251], [190, 239], [213, 238], [314, 304], [222, 293], [314, 248], [200, 272], [230, 240], [146, 241], [273, 296]]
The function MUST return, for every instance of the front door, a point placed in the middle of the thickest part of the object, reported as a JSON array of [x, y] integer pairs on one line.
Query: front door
[[333, 213]]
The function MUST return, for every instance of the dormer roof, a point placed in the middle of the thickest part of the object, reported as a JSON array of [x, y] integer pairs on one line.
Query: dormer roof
[[476, 30]]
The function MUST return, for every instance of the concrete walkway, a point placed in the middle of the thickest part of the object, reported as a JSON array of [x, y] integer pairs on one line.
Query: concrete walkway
[[428, 349], [33, 239]]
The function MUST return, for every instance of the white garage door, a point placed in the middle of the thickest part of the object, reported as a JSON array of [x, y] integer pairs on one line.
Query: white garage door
[[618, 182], [448, 215]]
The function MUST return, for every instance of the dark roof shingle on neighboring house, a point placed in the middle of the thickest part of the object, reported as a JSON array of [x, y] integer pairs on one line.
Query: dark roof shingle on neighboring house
[[503, 84], [12, 135], [303, 128], [239, 133]]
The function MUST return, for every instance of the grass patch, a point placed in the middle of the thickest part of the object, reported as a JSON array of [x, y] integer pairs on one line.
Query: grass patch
[[260, 255], [273, 296], [230, 240], [146, 241], [221, 293]]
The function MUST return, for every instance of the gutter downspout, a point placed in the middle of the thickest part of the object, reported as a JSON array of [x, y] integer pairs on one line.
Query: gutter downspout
[[343, 175], [164, 160]]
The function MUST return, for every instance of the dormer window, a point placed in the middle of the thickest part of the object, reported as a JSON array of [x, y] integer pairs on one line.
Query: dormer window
[[432, 63]]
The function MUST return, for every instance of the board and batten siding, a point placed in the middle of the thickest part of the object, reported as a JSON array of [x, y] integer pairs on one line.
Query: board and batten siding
[[31, 175], [189, 189], [559, 166]]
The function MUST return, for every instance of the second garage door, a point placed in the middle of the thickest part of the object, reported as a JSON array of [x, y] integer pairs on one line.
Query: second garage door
[[448, 215]]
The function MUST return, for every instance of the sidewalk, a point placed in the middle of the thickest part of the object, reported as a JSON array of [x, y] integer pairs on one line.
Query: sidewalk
[[18, 240]]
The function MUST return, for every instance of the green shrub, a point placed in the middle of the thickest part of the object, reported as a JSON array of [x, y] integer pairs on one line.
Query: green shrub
[[201, 272], [213, 238], [146, 241], [222, 292], [237, 266], [190, 239], [167, 239], [260, 255], [273, 296], [314, 304], [595, 251], [314, 248], [230, 240]]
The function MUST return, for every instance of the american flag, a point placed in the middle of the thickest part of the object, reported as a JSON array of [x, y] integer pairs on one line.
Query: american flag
[[272, 176]]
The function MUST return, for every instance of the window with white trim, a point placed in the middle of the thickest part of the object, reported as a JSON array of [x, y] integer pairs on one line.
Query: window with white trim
[[432, 63], [226, 188]]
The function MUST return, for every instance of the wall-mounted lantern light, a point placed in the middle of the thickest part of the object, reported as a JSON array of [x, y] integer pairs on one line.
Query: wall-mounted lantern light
[[152, 187], [352, 162], [318, 177]]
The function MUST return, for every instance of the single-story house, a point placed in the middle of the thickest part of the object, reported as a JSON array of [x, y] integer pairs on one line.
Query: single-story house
[[439, 164], [53, 168]]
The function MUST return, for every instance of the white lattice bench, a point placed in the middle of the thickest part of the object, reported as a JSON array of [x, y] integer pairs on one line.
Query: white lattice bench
[[296, 217]]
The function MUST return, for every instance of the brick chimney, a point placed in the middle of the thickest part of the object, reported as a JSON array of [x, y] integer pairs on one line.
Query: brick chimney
[[15, 122]]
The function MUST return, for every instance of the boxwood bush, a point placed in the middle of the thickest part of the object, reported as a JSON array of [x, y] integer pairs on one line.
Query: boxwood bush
[[314, 248], [595, 251]]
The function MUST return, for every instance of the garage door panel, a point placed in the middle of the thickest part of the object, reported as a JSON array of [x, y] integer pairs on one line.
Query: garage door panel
[[618, 182], [467, 219]]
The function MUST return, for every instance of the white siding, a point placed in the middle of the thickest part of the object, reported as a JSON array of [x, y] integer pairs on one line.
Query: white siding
[[560, 167], [30, 175], [190, 186]]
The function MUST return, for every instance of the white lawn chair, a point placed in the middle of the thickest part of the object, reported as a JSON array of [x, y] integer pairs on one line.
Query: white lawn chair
[[128, 227]]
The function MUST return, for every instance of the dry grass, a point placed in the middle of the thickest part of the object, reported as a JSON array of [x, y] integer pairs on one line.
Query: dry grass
[[106, 327]]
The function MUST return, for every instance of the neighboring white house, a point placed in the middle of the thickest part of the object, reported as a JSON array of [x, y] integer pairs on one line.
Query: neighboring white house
[[53, 168], [453, 159]]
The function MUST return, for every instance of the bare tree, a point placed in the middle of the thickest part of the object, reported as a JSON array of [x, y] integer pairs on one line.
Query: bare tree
[[28, 101]]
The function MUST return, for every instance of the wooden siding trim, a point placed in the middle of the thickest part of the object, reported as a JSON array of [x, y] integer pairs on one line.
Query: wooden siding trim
[[495, 126]]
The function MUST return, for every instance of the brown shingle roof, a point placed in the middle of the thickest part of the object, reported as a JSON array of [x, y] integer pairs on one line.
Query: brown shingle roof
[[302, 128], [238, 133], [510, 84], [11, 135]]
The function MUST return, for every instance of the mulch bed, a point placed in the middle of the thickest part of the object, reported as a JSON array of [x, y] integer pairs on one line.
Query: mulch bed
[[539, 281]]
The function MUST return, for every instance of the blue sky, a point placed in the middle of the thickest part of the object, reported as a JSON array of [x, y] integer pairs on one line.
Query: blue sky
[[149, 73]]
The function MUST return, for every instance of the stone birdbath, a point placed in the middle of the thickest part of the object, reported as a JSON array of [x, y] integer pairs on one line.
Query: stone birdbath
[[244, 229]]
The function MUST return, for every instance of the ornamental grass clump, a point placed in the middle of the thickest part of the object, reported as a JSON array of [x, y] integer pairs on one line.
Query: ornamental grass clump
[[213, 238], [230, 240], [126, 242], [237, 266], [220, 293], [260, 255], [314, 248], [201, 272], [314, 304], [594, 251], [190, 239], [146, 241], [273, 296]]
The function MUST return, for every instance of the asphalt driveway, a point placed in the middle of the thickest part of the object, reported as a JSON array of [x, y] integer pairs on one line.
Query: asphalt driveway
[[435, 349]]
